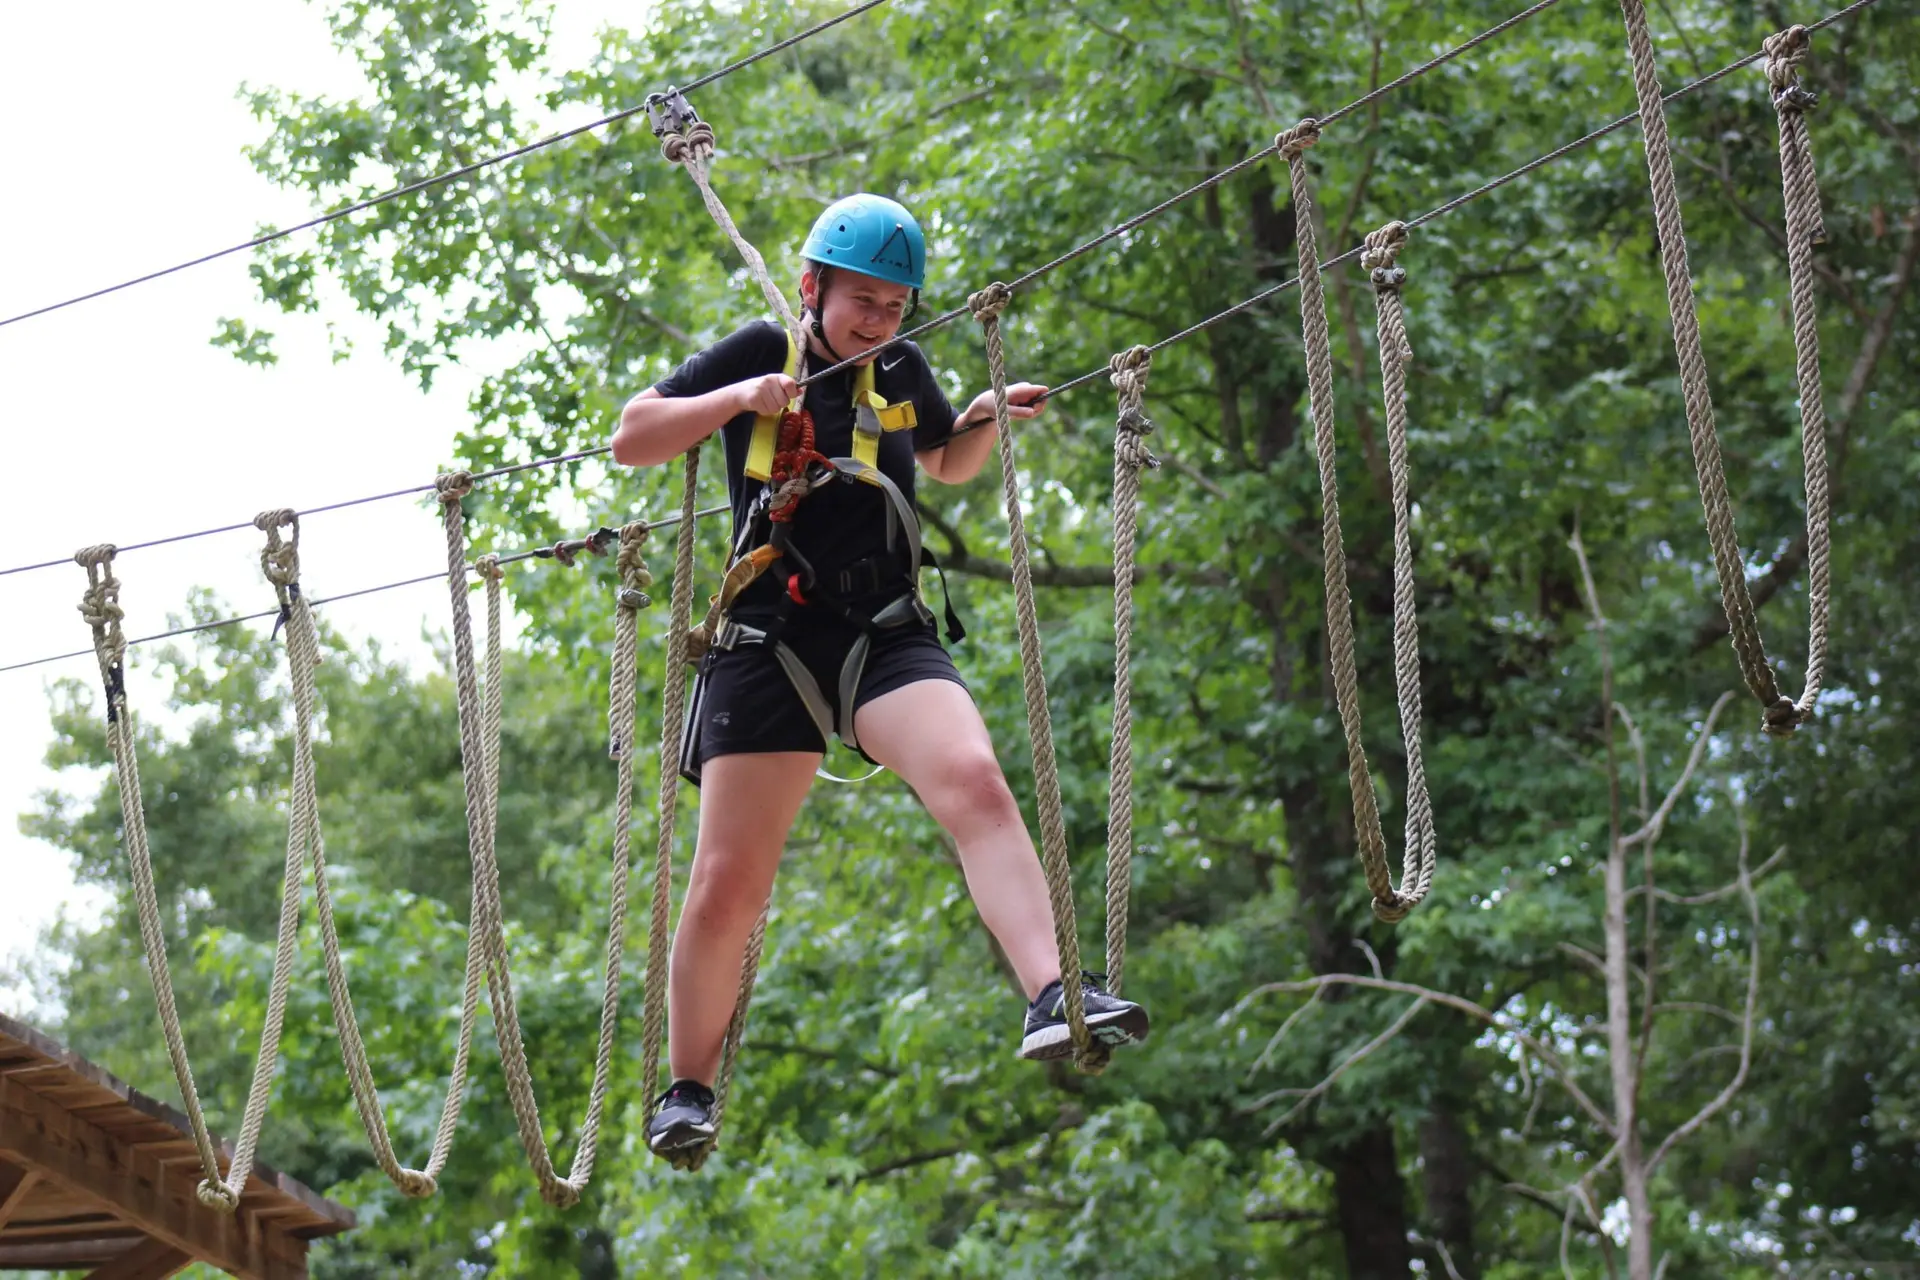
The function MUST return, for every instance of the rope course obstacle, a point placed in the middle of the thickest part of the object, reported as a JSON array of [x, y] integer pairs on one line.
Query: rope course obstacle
[[688, 141]]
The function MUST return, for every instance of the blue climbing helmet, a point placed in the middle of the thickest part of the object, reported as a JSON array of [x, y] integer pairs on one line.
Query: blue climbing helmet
[[872, 235]]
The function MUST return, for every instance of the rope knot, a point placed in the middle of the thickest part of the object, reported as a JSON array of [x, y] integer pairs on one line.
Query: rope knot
[[100, 607], [488, 567], [1782, 717], [989, 302], [1391, 910], [416, 1185], [1291, 143], [1380, 255], [280, 558], [1785, 51], [100, 602], [632, 567], [453, 486], [217, 1196], [1127, 370]]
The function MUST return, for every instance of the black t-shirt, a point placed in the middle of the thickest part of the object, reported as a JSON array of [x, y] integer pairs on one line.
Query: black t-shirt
[[844, 522]]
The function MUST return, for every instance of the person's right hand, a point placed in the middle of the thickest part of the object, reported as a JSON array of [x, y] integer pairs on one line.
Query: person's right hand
[[768, 393]]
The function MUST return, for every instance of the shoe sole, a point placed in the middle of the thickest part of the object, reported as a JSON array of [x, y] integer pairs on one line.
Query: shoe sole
[[1129, 1026], [680, 1137]]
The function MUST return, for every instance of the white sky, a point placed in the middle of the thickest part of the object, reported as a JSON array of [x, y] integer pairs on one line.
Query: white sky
[[119, 422]]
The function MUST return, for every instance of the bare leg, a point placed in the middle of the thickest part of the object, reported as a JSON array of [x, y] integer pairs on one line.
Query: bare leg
[[956, 775], [747, 806]]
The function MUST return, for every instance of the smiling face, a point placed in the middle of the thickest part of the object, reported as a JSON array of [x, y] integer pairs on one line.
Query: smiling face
[[861, 312]]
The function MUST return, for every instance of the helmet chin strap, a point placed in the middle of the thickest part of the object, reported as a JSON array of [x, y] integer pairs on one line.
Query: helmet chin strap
[[819, 331]]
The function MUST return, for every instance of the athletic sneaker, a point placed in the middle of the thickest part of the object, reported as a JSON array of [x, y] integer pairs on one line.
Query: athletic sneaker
[[1111, 1020], [683, 1121]]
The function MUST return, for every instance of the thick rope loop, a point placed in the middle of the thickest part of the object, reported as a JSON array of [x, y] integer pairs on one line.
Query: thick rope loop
[[1781, 713], [488, 567], [1389, 905], [1128, 372], [480, 776], [1089, 1056], [305, 837]]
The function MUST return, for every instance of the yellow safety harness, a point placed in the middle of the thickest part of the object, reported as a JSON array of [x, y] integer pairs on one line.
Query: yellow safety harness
[[872, 416]]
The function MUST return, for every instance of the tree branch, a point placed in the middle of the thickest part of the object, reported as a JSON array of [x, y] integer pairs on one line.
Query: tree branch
[[1541, 1050]]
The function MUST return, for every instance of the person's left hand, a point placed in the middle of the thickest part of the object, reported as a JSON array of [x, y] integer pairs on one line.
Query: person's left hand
[[1024, 400]]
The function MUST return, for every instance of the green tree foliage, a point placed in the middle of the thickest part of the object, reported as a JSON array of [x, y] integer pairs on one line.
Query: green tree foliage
[[882, 1127]]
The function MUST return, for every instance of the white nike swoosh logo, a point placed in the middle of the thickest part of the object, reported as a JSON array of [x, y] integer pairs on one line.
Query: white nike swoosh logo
[[888, 368]]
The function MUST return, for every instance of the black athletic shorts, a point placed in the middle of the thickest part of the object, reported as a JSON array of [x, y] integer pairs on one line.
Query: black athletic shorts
[[749, 706]]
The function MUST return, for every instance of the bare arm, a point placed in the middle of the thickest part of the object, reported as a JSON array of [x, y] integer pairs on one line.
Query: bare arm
[[974, 431], [654, 428]]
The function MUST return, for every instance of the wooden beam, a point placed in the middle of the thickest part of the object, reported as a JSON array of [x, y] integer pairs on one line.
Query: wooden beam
[[60, 1255], [37, 1134], [15, 1185], [148, 1260]]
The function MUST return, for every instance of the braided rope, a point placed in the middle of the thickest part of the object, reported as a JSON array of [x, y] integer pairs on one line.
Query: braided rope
[[987, 306], [1128, 372], [303, 655], [100, 607], [1785, 51], [480, 773], [1781, 713], [1381, 261], [1389, 905]]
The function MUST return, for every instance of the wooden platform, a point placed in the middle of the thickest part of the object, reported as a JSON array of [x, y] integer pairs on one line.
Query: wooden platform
[[96, 1174]]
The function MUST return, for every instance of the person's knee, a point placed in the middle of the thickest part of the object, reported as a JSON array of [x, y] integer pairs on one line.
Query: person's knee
[[725, 892], [971, 786]]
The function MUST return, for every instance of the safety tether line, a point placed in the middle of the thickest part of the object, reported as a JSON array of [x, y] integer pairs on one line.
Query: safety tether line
[[1781, 713], [687, 140], [480, 775], [1128, 369], [281, 564], [1089, 1055], [1370, 842], [100, 606]]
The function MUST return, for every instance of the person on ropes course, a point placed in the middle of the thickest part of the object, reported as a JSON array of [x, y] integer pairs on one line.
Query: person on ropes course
[[820, 629]]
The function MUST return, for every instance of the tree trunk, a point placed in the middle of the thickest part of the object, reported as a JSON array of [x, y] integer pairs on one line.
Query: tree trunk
[[1620, 1047], [1447, 1184], [1371, 1206]]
